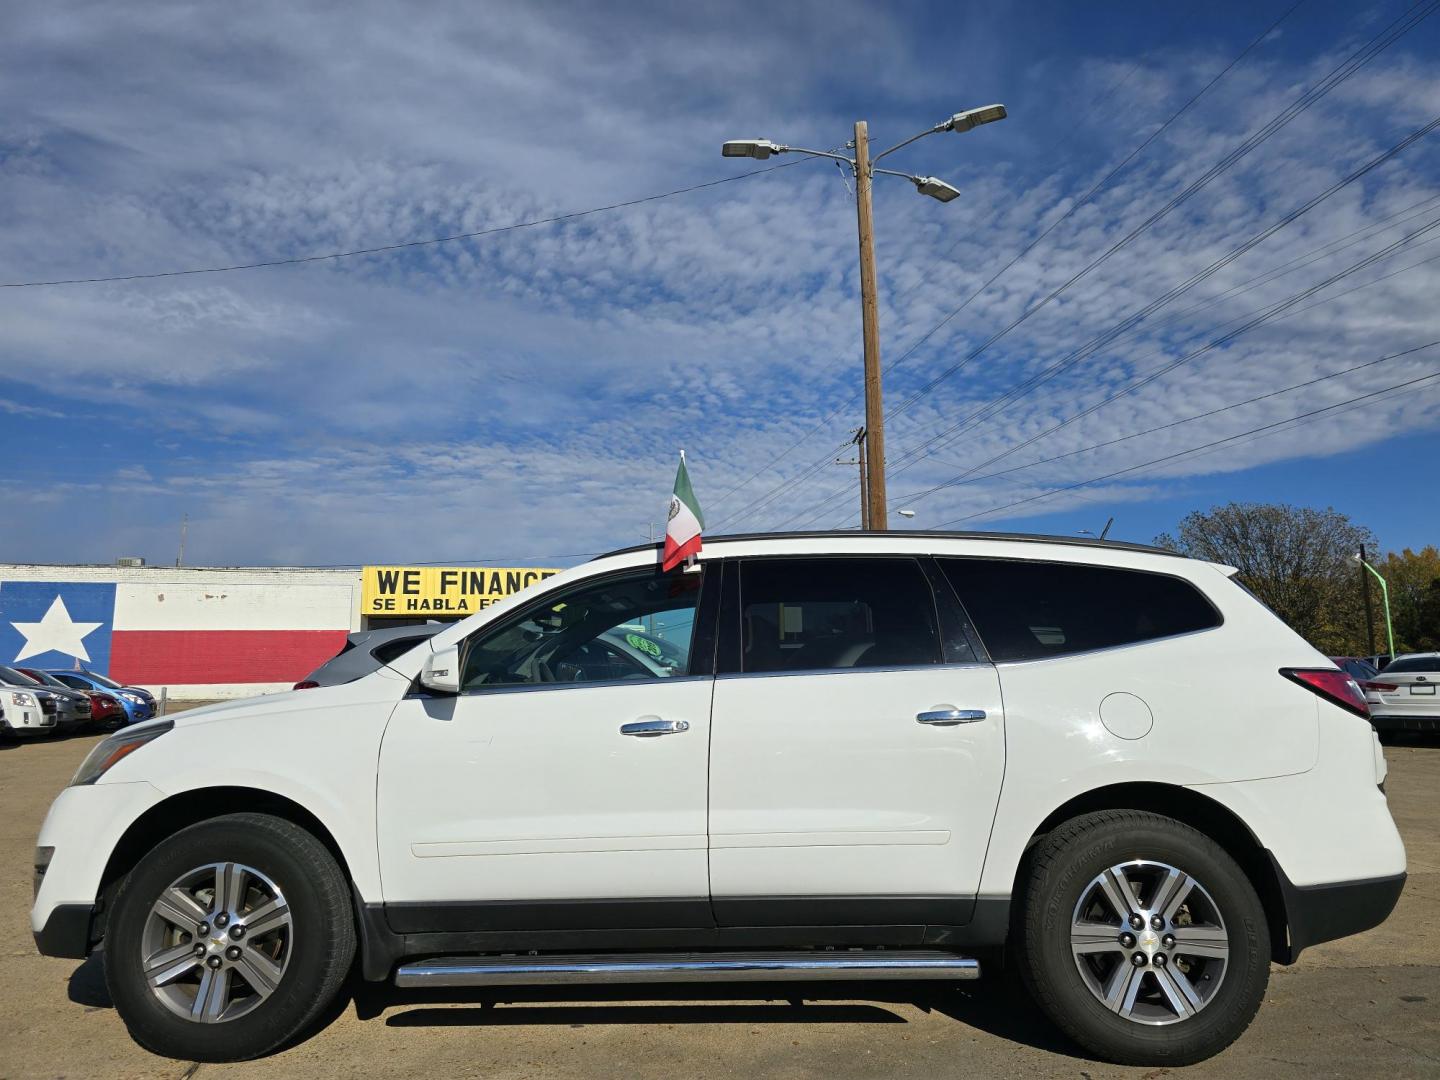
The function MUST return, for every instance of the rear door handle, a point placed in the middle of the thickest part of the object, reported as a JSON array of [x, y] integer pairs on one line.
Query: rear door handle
[[950, 717], [653, 726]]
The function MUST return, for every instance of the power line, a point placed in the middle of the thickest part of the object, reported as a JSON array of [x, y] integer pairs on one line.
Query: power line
[[991, 408], [1263, 316], [1135, 318], [1301, 418], [1337, 75], [407, 244], [1173, 423], [1084, 199], [1342, 71], [1284, 269]]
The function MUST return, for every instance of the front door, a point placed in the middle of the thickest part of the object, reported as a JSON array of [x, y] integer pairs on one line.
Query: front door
[[856, 757], [566, 780]]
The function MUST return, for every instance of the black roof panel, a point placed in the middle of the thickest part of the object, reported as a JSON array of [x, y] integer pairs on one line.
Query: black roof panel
[[921, 534]]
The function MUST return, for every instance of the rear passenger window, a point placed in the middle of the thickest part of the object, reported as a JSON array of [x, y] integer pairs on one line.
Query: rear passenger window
[[1031, 610], [822, 614]]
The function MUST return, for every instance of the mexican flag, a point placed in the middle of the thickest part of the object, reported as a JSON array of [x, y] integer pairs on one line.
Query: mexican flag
[[682, 532]]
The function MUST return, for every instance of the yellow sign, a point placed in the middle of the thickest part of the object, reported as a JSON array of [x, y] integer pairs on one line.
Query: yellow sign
[[407, 591]]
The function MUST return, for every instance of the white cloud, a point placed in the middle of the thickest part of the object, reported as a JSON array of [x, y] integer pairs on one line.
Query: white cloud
[[466, 396]]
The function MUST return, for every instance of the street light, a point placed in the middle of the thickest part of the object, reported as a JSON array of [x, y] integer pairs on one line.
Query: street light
[[864, 170], [1384, 596], [973, 118], [935, 188], [759, 149]]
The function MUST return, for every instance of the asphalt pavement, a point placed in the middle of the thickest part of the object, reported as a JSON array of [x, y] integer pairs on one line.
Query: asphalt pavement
[[1365, 1006]]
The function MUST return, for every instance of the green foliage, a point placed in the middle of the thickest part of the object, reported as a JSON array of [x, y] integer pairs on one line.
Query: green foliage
[[1414, 578], [1297, 560]]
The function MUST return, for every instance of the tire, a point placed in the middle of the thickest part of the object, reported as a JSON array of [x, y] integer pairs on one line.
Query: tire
[[1072, 953], [273, 983]]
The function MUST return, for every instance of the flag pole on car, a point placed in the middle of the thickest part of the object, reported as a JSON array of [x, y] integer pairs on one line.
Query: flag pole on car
[[684, 523]]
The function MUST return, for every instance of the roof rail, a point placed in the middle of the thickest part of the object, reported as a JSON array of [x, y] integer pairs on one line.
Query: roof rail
[[917, 534]]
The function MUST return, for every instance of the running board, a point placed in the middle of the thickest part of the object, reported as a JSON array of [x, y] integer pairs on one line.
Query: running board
[[686, 967]]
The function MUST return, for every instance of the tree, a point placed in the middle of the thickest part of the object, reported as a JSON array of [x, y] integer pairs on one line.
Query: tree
[[1297, 560], [1414, 579]]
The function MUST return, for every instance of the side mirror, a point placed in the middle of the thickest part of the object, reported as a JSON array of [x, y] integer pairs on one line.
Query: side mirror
[[441, 672]]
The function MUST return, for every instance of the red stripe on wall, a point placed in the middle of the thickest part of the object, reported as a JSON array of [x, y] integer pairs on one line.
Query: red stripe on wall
[[161, 657]]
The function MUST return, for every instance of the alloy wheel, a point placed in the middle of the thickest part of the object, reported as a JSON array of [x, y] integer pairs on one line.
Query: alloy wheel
[[1149, 942], [216, 942]]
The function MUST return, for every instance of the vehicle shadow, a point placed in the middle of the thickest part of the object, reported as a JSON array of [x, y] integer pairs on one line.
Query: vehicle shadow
[[87, 983], [994, 1006]]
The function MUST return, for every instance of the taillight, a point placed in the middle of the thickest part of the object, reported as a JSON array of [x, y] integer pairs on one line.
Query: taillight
[[306, 684], [1379, 687], [1332, 685]]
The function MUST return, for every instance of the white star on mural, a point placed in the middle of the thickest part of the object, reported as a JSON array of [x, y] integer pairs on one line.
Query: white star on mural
[[56, 631]]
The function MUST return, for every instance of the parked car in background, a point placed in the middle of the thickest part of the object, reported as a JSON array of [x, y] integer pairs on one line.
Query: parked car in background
[[72, 707], [1357, 668], [138, 703], [105, 708], [366, 650], [873, 756], [25, 709], [1405, 695]]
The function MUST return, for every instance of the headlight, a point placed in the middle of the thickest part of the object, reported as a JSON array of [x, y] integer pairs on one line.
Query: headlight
[[109, 752], [134, 699], [21, 700]]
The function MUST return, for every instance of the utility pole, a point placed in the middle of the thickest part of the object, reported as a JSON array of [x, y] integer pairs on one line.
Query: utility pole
[[864, 168], [861, 441], [858, 441], [184, 525], [1369, 615], [876, 516]]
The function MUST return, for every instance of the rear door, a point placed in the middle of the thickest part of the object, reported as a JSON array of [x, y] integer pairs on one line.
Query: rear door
[[857, 748]]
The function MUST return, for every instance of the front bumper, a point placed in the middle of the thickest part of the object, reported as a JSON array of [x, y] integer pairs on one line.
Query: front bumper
[[1318, 913], [83, 827], [67, 931]]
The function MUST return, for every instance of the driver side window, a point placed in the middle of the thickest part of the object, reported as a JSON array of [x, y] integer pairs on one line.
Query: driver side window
[[633, 626]]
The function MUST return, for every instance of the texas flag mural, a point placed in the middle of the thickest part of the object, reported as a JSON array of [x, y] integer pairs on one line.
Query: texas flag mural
[[175, 635]]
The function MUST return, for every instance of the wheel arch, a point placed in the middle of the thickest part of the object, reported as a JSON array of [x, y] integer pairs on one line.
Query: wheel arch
[[1200, 812], [187, 808]]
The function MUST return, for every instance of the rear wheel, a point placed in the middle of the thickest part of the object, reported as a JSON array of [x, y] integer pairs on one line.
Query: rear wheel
[[229, 939], [1142, 939]]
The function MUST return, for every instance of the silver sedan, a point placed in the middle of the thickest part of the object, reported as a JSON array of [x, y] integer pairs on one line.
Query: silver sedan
[[1405, 696]]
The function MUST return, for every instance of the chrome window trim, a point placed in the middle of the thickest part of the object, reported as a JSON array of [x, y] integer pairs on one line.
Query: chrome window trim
[[888, 669], [530, 688]]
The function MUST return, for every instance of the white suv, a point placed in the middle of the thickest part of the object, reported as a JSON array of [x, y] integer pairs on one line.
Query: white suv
[[873, 756]]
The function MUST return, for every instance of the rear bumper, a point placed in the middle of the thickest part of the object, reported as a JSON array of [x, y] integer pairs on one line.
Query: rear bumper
[[1405, 722], [1318, 913]]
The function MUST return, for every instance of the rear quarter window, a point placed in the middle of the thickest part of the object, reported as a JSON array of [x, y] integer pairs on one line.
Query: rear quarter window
[[1405, 665], [1035, 610]]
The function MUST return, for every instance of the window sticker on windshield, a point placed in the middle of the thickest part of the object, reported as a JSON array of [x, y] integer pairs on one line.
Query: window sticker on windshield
[[643, 644]]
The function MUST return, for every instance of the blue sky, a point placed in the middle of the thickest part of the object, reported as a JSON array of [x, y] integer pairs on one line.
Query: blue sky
[[521, 397]]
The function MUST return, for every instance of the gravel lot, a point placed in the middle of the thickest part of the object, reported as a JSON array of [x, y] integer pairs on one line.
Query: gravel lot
[[1365, 1006]]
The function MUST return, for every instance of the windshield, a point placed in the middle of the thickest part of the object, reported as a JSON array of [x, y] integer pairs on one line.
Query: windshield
[[16, 678], [103, 681], [46, 678]]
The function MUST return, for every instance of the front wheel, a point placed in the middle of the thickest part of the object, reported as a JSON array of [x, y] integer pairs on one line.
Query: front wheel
[[1142, 939], [229, 939]]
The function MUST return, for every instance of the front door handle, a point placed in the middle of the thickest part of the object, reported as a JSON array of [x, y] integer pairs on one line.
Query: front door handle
[[950, 717], [653, 726]]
